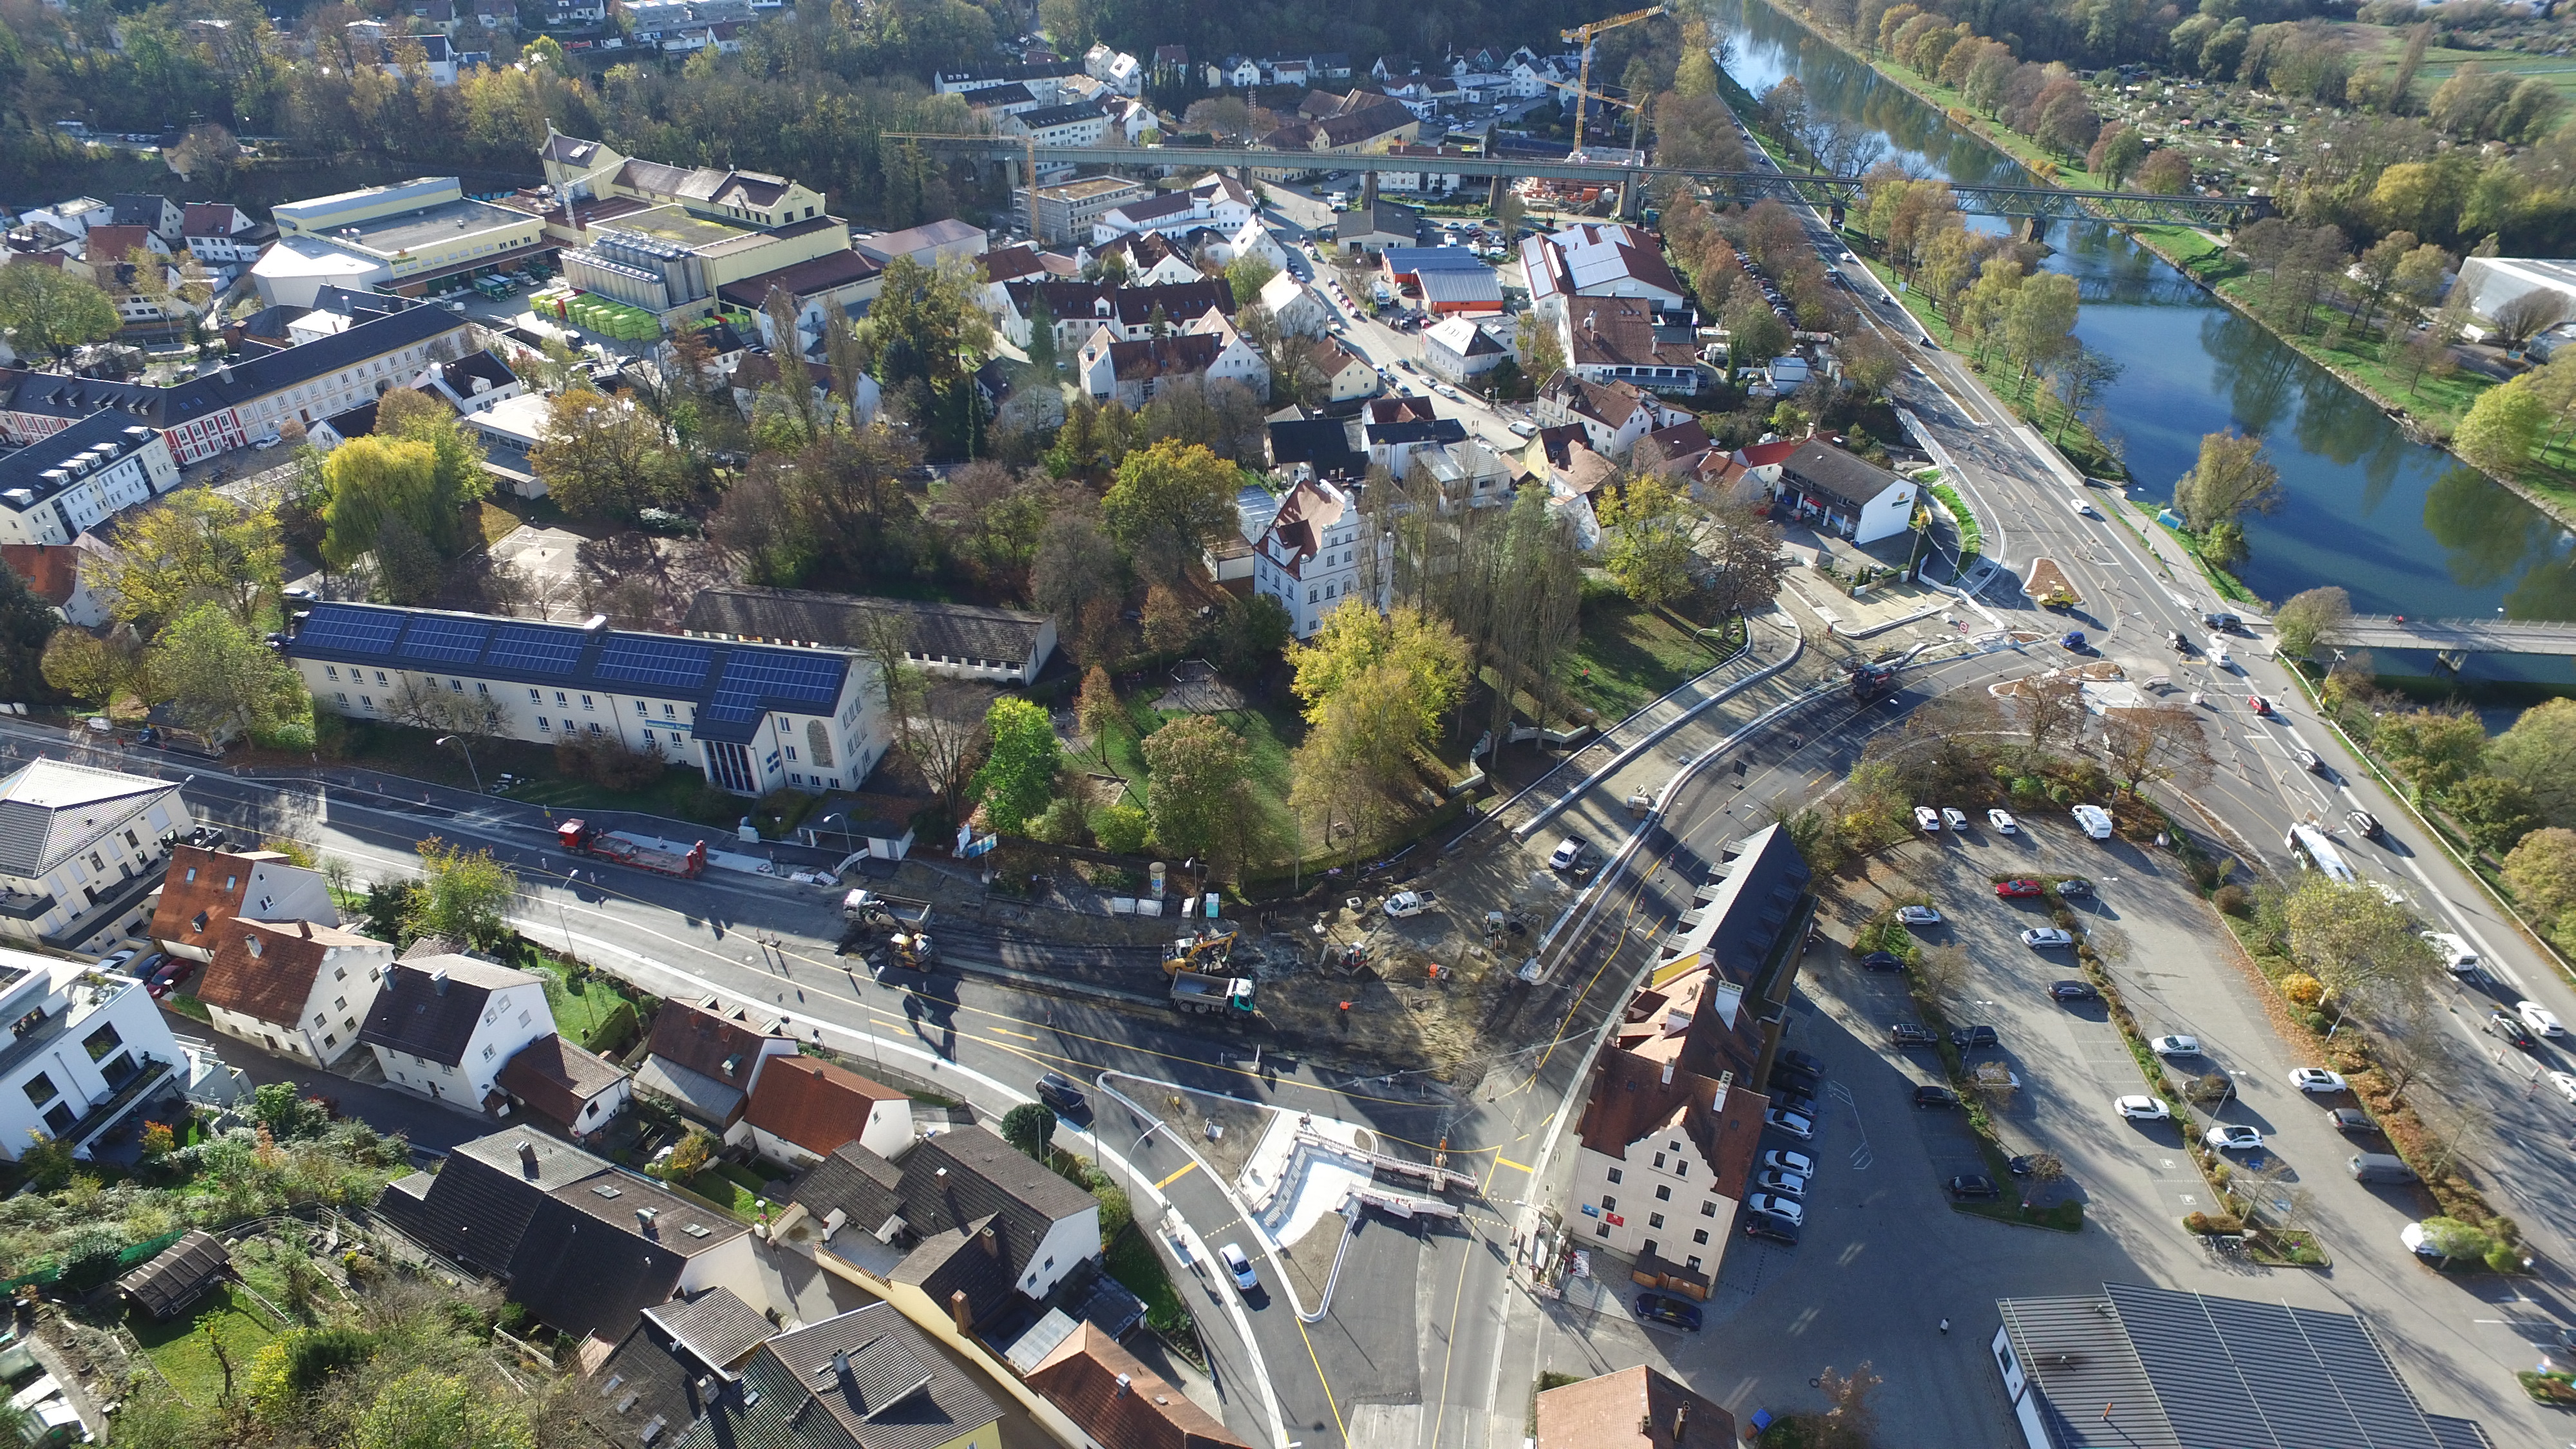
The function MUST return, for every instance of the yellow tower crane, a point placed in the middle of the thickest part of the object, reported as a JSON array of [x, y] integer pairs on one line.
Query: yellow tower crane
[[1584, 34]]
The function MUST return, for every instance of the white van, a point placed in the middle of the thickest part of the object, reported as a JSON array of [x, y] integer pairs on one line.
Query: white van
[[2095, 820]]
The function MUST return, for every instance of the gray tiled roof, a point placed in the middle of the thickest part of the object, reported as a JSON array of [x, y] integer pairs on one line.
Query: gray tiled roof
[[716, 1326], [415, 1015], [1826, 470], [960, 1179], [840, 621], [900, 1391]]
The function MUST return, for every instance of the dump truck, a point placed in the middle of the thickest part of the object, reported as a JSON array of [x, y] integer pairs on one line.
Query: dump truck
[[640, 851], [1201, 994], [867, 908]]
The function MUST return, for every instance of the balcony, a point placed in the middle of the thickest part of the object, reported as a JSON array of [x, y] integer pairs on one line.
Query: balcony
[[108, 1111]]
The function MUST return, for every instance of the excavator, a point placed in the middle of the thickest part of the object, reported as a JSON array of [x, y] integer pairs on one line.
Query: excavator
[[1191, 950]]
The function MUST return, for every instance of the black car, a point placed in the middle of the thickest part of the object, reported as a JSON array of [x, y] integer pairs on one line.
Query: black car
[[1777, 1229], [2075, 885], [1798, 1061], [2074, 991], [2506, 1025], [2019, 1166], [2354, 1121], [2223, 623], [1802, 1103], [1935, 1097], [1064, 1098], [1969, 1038], [1881, 961], [1906, 1034], [1657, 1308], [2364, 824], [1791, 1084], [1973, 1185]]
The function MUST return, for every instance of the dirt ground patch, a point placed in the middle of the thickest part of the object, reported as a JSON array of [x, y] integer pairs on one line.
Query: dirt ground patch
[[1192, 1113], [1308, 1262]]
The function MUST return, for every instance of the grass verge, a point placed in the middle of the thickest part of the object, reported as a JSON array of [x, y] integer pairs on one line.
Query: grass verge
[[1972, 539], [1131, 1260]]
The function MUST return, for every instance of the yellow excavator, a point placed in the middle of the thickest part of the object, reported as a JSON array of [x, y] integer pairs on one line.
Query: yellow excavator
[[1190, 952]]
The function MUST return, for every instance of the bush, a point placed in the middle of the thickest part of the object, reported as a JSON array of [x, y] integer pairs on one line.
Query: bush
[[608, 762], [1121, 829], [2504, 1257], [2453, 1238], [2303, 989], [689, 1158], [615, 1031], [2315, 1021], [2234, 900], [1061, 823], [2204, 1223]]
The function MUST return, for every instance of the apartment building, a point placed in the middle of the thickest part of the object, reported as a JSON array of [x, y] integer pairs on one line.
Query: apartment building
[[86, 1050], [66, 483], [80, 848]]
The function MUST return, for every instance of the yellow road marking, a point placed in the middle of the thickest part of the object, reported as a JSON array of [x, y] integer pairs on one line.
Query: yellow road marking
[[1327, 1385], [1186, 1169], [1507, 1162], [998, 1031]]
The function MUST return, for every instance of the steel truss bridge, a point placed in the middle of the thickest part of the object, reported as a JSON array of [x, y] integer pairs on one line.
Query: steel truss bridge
[[1830, 193]]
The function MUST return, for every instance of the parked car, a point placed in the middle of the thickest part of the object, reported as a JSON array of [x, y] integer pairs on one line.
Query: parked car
[[1784, 1160], [1796, 1126], [2565, 1083], [1238, 1267], [1568, 853], [2042, 938], [1906, 1034], [1064, 1098], [1927, 819], [1656, 1308], [2317, 1079], [2353, 1121], [1774, 1205], [1973, 1038], [2074, 991], [1777, 1229], [2019, 890], [2539, 1018], [1881, 961], [2075, 886], [1973, 1185], [1793, 1100], [1798, 1061], [171, 976], [2232, 1137], [2176, 1046], [1955, 819], [2508, 1026], [2002, 821], [2142, 1108], [1918, 915], [115, 961], [1787, 1184], [1935, 1097], [2364, 824], [1404, 904]]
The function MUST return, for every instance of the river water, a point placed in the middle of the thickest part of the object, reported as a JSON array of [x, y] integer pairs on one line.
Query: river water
[[2405, 528]]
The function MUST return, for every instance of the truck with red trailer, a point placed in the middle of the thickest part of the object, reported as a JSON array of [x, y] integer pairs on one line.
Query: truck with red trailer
[[641, 852]]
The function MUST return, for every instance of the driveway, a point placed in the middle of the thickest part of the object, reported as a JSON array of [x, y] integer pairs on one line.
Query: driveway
[[431, 1129]]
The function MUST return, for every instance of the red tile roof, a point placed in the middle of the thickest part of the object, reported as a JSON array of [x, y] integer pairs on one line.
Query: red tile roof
[[266, 969], [202, 891], [813, 1104], [557, 1078], [52, 570], [705, 1041], [1635, 1408], [1117, 1400]]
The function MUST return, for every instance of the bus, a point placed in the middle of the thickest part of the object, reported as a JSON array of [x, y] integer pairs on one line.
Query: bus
[[2317, 853]]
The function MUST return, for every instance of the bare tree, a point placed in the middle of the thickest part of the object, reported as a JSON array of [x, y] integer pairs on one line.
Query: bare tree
[[2453, 1127], [885, 637], [2051, 707], [1746, 561], [2161, 742], [1940, 973], [424, 703], [2042, 1170], [2412, 1051], [2531, 314], [945, 738]]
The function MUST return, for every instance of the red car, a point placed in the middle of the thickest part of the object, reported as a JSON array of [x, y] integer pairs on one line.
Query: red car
[[2261, 705], [2019, 889], [167, 979]]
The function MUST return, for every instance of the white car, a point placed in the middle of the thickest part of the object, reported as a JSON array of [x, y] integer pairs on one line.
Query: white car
[[1524, 430], [2082, 508], [2565, 1083], [1776, 1205], [2002, 821], [1569, 853], [1780, 1159], [1918, 915], [2144, 1109], [2232, 1137], [2176, 1046], [2539, 1018], [1404, 905], [1239, 1266], [2317, 1079], [2455, 952], [1796, 1124], [1955, 819], [1927, 818], [2041, 938]]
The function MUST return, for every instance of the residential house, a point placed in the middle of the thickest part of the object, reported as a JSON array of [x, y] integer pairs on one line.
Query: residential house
[[588, 171], [443, 1023], [223, 236], [1023, 263], [1295, 307], [72, 577], [1326, 65], [963, 1192], [1130, 313], [293, 987], [1613, 415], [1117, 1402], [476, 382], [1338, 374], [1395, 428], [1376, 128], [1422, 183], [1852, 496], [1070, 125], [1216, 200], [1460, 351], [868, 1379], [119, 242], [995, 102], [1598, 259], [87, 1048], [1467, 474], [1235, 72], [1634, 1408], [752, 718], [1302, 448], [1148, 259], [585, 1246], [74, 217], [207, 888], [1308, 559], [1066, 210], [158, 215], [1041, 77], [803, 1110], [1135, 372], [79, 849], [1616, 339], [927, 244], [705, 1059], [1370, 230], [1680, 449], [951, 641], [1115, 69], [577, 1090], [1251, 239], [1171, 63], [680, 1362], [831, 290]]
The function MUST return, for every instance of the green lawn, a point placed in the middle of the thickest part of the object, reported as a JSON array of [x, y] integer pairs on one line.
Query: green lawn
[[736, 1189], [181, 1351], [1271, 731], [1627, 656], [1134, 1263], [582, 1008]]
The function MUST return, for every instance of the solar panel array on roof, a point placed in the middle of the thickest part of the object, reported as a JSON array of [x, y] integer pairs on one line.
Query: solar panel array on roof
[[444, 641], [752, 676], [365, 631], [2232, 1371], [535, 650], [654, 661]]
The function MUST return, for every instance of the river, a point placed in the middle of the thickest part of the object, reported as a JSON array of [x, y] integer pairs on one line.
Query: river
[[2405, 528]]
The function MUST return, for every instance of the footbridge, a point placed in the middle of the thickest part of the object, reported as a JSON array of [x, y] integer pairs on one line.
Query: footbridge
[[2454, 638]]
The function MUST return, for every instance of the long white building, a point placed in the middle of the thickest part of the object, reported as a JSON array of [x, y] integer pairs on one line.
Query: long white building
[[753, 717]]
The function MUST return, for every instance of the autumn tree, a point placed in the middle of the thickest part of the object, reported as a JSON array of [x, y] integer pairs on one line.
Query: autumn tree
[[2354, 940], [2539, 754], [1744, 554], [1169, 502], [53, 311], [218, 676], [604, 458], [462, 895], [1646, 530], [1098, 711], [1201, 796], [2154, 743], [2502, 426], [2307, 616], [88, 668], [945, 734], [195, 546]]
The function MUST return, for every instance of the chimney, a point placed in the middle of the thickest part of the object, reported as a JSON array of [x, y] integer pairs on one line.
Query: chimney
[[1121, 1391], [841, 1363], [1668, 1074], [1681, 1422], [527, 1157], [305, 928], [959, 1313], [438, 981], [988, 1241], [644, 1221]]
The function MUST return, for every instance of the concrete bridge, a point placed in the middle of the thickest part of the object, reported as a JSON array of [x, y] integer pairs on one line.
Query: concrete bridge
[[2454, 638], [2037, 204]]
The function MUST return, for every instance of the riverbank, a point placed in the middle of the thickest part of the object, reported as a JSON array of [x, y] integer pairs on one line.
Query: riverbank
[[2431, 410]]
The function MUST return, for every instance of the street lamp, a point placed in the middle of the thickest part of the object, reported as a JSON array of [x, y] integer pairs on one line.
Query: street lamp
[[846, 847], [467, 750]]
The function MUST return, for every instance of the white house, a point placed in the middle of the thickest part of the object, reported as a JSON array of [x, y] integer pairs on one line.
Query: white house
[[1658, 1170], [79, 850], [1295, 307], [73, 577], [293, 987], [1855, 498], [1071, 125], [1308, 558], [1148, 259], [578, 1090], [803, 1109], [1210, 351], [1461, 351], [753, 718], [1345, 376], [208, 888], [223, 236], [1215, 200], [1598, 259], [87, 1049], [66, 483], [443, 1026], [1250, 239], [1042, 1228], [1115, 69], [1613, 415]]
